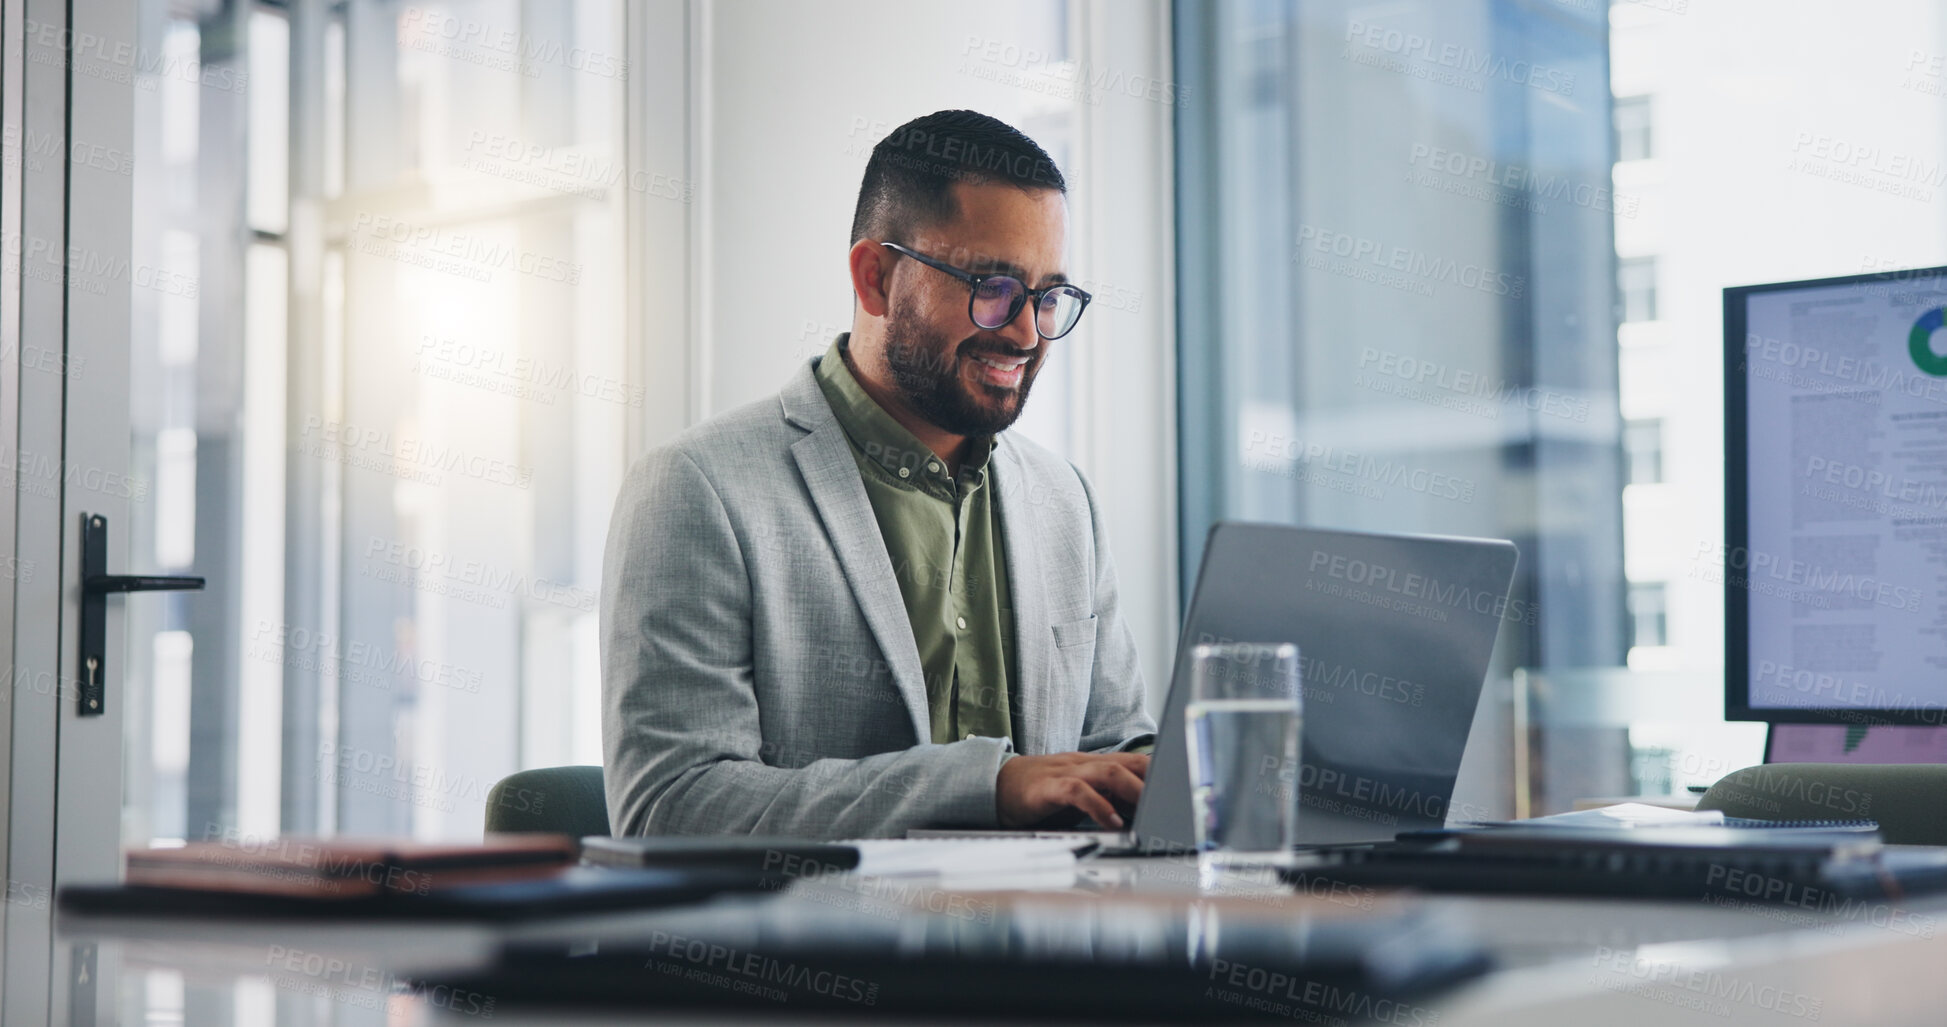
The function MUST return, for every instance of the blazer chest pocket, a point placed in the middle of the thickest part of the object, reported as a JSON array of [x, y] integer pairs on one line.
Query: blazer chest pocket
[[1075, 633], [1071, 671]]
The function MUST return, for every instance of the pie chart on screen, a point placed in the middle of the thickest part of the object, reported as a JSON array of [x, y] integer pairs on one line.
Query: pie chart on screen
[[1920, 343]]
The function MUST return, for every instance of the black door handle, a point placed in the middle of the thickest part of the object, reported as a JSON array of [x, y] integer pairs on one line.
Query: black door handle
[[96, 584], [106, 583]]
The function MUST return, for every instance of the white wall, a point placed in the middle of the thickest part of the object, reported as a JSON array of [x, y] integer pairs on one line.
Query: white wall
[[784, 104]]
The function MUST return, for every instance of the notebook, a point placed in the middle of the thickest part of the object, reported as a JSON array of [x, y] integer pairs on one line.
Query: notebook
[[1644, 815], [561, 891], [1741, 864], [878, 857], [345, 867]]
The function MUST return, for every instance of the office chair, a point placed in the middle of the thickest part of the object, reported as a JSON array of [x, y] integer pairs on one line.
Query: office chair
[[554, 800], [1908, 800]]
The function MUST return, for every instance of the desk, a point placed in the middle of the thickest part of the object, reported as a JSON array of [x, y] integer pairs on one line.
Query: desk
[[1562, 961]]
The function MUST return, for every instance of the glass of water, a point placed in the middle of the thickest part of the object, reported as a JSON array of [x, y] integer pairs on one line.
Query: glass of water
[[1244, 719]]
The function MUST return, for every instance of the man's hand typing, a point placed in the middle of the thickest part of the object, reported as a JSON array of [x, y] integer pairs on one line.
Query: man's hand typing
[[1059, 789]]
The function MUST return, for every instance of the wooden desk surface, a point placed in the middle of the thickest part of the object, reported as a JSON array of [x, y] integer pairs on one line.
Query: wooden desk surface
[[1562, 961]]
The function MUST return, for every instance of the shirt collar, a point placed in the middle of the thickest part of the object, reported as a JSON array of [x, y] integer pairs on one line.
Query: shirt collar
[[882, 439]]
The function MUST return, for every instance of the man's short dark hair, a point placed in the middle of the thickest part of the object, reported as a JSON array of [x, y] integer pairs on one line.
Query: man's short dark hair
[[909, 179]]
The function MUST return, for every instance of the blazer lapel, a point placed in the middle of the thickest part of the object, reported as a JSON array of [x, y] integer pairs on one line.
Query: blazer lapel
[[832, 476], [1030, 597]]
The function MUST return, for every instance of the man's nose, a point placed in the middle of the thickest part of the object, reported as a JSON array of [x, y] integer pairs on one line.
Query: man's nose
[[1020, 331]]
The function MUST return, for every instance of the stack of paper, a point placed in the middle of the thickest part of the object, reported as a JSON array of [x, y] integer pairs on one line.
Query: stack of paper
[[897, 857], [1628, 814]]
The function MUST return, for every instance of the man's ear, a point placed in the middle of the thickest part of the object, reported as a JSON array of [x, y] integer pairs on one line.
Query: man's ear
[[870, 271]]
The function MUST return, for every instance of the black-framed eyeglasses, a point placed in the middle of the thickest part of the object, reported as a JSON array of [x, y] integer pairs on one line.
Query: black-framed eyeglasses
[[994, 300]]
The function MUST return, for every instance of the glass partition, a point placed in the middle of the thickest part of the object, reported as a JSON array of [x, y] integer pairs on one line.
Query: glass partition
[[380, 396]]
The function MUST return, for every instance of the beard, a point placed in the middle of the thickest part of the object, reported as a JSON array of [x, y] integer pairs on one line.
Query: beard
[[926, 368]]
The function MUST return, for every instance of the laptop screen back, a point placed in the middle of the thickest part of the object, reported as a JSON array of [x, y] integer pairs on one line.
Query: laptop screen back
[[1394, 634]]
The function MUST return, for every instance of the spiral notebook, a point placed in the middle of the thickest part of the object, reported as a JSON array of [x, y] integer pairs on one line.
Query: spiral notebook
[[1635, 815], [1714, 862]]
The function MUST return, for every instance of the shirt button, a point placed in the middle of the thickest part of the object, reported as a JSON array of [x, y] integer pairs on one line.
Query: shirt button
[[962, 622], [905, 472], [935, 468], [970, 736]]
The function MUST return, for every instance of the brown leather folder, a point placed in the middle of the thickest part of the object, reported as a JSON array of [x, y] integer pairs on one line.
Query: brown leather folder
[[347, 867]]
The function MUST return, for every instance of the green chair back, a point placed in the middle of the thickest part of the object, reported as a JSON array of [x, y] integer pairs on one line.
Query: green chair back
[[553, 800], [1908, 800]]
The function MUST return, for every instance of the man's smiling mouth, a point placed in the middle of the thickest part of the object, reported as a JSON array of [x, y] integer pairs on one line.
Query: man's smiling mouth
[[999, 370]]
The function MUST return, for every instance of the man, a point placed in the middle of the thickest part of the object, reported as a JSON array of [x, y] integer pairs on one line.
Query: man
[[861, 607]]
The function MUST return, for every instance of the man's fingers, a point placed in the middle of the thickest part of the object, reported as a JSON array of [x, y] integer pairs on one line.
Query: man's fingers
[[1116, 780], [1080, 795], [1136, 763]]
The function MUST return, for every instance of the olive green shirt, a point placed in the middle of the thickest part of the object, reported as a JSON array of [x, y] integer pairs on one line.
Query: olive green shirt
[[944, 537]]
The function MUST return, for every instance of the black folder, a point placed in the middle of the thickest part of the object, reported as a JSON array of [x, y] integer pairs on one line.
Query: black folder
[[572, 890], [1742, 864]]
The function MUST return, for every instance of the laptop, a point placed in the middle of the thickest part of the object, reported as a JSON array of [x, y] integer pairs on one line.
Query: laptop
[[1394, 636]]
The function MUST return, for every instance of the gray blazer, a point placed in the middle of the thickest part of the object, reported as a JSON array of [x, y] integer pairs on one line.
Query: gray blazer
[[758, 670]]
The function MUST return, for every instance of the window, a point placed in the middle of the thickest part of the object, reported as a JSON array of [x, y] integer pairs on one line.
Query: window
[[1648, 623], [1643, 452], [1750, 187], [1636, 282], [1395, 301], [390, 428], [1633, 136]]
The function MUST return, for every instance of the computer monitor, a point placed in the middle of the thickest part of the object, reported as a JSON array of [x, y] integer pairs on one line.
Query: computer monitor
[[1854, 743], [1835, 557]]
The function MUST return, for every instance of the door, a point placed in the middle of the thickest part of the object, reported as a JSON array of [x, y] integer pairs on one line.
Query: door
[[321, 301], [64, 316]]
